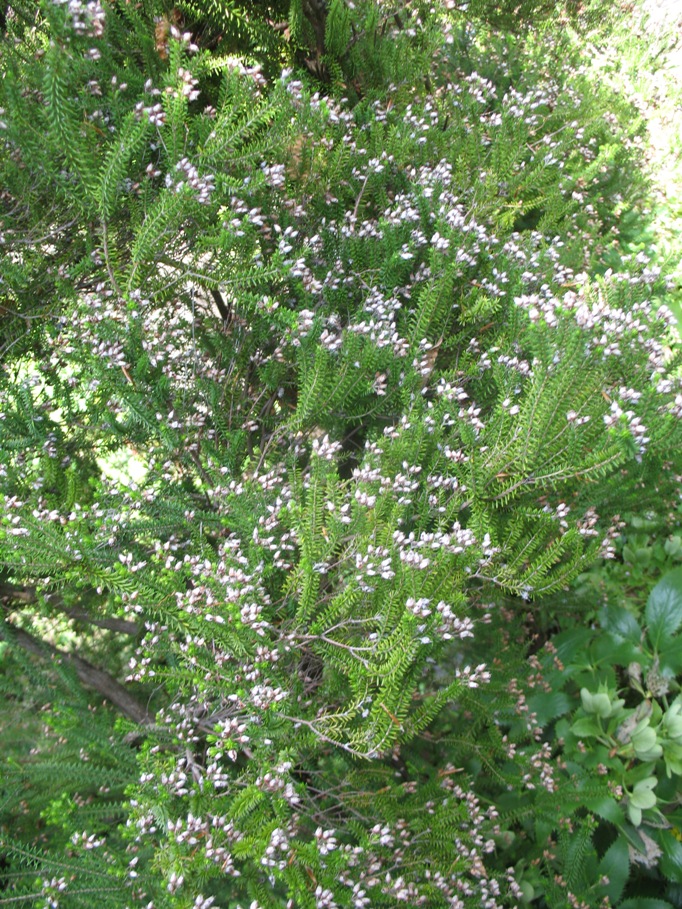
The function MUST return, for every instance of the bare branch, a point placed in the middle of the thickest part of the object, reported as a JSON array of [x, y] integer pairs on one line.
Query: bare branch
[[97, 679], [26, 596]]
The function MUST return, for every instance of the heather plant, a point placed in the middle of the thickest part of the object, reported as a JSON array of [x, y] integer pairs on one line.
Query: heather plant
[[379, 360], [640, 57]]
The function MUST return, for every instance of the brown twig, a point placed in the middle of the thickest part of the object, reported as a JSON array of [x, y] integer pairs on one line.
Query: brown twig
[[27, 596], [92, 677]]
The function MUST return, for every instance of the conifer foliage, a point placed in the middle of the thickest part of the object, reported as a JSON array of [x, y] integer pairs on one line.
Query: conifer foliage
[[320, 336]]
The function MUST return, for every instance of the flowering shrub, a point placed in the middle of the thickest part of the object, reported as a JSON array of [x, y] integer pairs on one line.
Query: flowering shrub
[[368, 365]]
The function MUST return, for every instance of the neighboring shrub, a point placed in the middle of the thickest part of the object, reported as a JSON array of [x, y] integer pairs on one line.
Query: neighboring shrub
[[588, 791], [376, 365]]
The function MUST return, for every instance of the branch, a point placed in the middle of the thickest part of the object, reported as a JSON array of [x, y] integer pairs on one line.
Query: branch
[[315, 12], [223, 308], [120, 626], [97, 679], [325, 738], [27, 596], [107, 261]]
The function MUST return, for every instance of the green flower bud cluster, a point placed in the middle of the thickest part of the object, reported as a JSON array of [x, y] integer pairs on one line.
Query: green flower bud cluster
[[670, 730], [641, 798], [644, 741], [632, 737], [602, 703]]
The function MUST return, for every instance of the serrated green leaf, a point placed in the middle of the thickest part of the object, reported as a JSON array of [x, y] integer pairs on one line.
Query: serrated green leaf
[[673, 545], [572, 644], [606, 807], [632, 835], [620, 624], [645, 902], [548, 705], [670, 658], [626, 652], [663, 613], [629, 554], [615, 865], [674, 891], [543, 829], [586, 726], [670, 861]]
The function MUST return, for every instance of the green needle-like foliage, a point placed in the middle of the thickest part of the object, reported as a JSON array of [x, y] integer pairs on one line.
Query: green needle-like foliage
[[304, 371]]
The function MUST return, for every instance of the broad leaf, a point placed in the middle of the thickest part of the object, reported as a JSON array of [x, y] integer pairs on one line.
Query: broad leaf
[[606, 807], [633, 837], [645, 902], [620, 623], [670, 658], [548, 705], [615, 865], [586, 727], [663, 613], [572, 645], [543, 829], [670, 862], [611, 650]]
